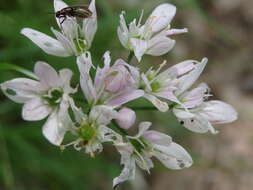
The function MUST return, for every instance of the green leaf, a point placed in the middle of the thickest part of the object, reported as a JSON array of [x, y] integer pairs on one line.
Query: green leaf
[[7, 66]]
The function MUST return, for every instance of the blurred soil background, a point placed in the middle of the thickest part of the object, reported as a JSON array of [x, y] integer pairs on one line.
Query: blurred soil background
[[221, 30]]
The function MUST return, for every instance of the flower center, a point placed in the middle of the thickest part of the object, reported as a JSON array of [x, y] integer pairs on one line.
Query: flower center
[[54, 96], [155, 86], [86, 132], [81, 45]]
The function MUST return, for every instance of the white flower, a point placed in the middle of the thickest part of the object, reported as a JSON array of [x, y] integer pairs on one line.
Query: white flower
[[152, 38], [198, 115], [73, 38], [48, 97], [113, 85], [92, 130], [143, 146], [169, 83]]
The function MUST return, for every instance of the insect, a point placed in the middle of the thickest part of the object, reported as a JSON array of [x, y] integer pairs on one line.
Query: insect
[[73, 11]]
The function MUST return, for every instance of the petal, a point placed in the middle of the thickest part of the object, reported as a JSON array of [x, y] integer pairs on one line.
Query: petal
[[59, 5], [102, 114], [46, 43], [20, 90], [161, 106], [169, 95], [173, 156], [139, 47], [158, 46], [65, 42], [108, 135], [187, 80], [161, 17], [143, 127], [123, 33], [90, 24], [126, 118], [47, 75], [125, 97], [195, 97], [183, 114], [67, 26], [198, 124], [101, 73], [156, 137], [184, 67], [84, 64], [35, 109], [218, 112], [128, 172], [65, 79], [57, 125]]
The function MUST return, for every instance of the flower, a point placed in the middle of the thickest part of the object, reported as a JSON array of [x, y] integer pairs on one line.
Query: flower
[[152, 38], [197, 114], [169, 83], [146, 144], [126, 118], [48, 97], [113, 85], [91, 130], [73, 38]]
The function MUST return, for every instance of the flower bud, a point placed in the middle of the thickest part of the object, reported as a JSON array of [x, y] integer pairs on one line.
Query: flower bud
[[126, 118]]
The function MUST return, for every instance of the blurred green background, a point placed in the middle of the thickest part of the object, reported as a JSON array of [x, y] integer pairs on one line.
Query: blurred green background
[[218, 29]]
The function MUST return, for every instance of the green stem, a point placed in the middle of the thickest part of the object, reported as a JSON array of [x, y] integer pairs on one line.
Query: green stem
[[122, 131], [130, 57], [7, 66], [148, 108]]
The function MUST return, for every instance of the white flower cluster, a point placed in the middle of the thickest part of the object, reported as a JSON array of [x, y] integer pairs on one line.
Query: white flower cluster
[[115, 84]]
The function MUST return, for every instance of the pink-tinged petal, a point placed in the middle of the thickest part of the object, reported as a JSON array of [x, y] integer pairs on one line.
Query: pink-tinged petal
[[146, 82], [173, 156], [198, 124], [183, 114], [196, 96], [47, 44], [65, 79], [168, 95], [126, 118], [161, 17], [176, 31], [143, 127], [20, 90], [90, 24], [139, 47], [58, 123], [36, 109], [135, 73], [184, 67], [84, 64], [47, 75], [186, 81], [218, 112], [66, 43], [156, 137], [128, 172], [158, 46], [125, 97], [67, 26], [102, 72], [160, 105], [102, 114]]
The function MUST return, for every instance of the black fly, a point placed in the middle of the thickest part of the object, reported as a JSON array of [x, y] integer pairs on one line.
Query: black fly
[[73, 11]]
